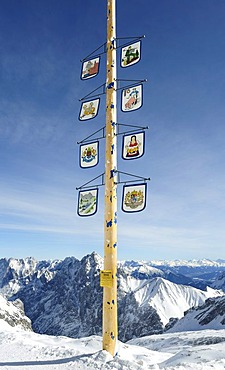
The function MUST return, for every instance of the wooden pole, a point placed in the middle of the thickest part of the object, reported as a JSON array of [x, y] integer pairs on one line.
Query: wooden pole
[[110, 325]]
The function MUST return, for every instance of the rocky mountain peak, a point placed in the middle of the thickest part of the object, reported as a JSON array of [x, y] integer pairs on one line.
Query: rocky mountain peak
[[13, 314]]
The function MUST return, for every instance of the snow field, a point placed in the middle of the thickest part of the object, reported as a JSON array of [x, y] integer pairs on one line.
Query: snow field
[[202, 350]]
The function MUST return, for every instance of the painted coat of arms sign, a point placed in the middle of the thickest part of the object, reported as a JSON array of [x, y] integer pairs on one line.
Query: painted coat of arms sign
[[89, 155], [134, 198]]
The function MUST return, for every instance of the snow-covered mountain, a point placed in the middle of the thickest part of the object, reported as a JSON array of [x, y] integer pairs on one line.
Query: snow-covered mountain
[[201, 272], [196, 273], [210, 315], [65, 298], [17, 273], [154, 302], [13, 314], [144, 270], [219, 282], [189, 263]]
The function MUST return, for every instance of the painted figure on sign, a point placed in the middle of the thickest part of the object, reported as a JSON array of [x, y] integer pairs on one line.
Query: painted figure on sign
[[88, 109], [132, 98], [130, 54], [133, 145], [90, 68], [132, 149]]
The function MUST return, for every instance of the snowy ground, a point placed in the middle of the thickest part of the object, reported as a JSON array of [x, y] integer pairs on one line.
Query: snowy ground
[[202, 350]]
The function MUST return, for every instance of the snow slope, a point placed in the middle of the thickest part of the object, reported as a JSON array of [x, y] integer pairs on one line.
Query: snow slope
[[169, 299], [21, 350], [210, 315], [13, 314]]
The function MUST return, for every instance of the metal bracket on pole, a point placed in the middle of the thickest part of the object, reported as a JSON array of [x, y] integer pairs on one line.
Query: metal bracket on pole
[[135, 128], [134, 82], [134, 39], [93, 96], [84, 186], [113, 173], [94, 53], [98, 138], [91, 54], [131, 175]]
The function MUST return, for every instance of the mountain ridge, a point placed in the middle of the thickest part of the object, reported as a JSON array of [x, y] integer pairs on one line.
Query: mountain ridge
[[209, 315], [64, 297]]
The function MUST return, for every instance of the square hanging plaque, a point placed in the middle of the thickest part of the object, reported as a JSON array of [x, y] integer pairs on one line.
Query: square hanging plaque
[[89, 154], [133, 145], [89, 109], [87, 202], [90, 68], [106, 279], [130, 54], [134, 197], [132, 98]]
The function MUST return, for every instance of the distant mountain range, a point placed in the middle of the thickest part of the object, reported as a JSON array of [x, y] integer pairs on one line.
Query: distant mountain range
[[190, 263], [196, 273], [65, 298]]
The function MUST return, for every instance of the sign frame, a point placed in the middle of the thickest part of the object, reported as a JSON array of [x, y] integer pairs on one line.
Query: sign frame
[[82, 105], [97, 150], [131, 101], [94, 204], [89, 61], [145, 197], [106, 279], [126, 46], [142, 144]]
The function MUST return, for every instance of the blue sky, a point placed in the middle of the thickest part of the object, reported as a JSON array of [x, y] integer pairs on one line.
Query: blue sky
[[41, 44]]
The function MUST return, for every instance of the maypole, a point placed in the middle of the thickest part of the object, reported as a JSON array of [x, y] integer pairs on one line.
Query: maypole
[[134, 193], [110, 325]]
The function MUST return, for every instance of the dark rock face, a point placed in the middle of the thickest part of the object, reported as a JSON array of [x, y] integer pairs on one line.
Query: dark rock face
[[219, 283], [214, 308], [136, 321], [13, 314], [68, 302], [65, 297], [210, 315], [171, 323]]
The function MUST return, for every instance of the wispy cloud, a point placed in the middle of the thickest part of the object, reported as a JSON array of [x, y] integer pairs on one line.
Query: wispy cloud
[[42, 209]]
